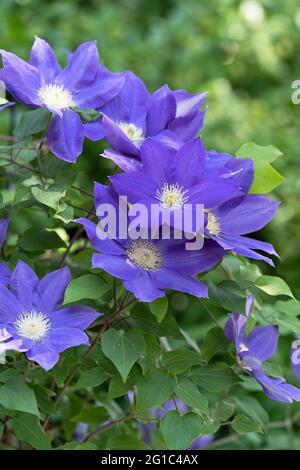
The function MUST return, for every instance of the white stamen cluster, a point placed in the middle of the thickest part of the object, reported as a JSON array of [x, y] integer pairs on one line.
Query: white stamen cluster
[[56, 97], [32, 325], [134, 133], [172, 196], [145, 255]]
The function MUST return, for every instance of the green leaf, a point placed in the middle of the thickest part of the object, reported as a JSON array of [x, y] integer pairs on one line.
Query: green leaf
[[228, 295], [180, 360], [289, 323], [214, 342], [178, 431], [50, 197], [155, 389], [123, 349], [188, 392], [267, 153], [253, 409], [91, 378], [91, 415], [16, 395], [273, 285], [146, 322], [215, 378], [37, 239], [88, 286], [28, 429], [223, 410], [117, 388], [123, 442], [159, 308], [266, 178], [31, 123], [242, 424]]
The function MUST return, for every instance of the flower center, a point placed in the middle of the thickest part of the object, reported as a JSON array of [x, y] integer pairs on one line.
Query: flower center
[[145, 255], [134, 133], [56, 97], [32, 325], [172, 196], [213, 225]]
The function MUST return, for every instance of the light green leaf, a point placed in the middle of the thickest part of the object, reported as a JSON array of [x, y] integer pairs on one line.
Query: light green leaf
[[88, 286], [155, 389], [242, 424], [223, 410], [178, 431], [273, 285], [267, 153], [188, 392], [266, 178], [50, 197], [123, 349], [16, 395]]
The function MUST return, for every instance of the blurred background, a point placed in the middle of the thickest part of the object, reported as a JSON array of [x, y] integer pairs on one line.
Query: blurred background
[[244, 53]]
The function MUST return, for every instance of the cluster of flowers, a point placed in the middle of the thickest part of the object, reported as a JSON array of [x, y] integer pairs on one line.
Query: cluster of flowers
[[153, 139]]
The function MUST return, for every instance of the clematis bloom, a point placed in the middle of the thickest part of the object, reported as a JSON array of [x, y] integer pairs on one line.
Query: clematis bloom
[[147, 267], [134, 115], [254, 349], [31, 312], [42, 83]]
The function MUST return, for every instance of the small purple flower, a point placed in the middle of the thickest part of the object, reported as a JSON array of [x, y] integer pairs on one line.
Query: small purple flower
[[171, 117], [254, 349], [82, 84], [148, 267], [31, 311]]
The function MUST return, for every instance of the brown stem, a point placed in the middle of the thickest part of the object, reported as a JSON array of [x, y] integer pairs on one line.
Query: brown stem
[[104, 427]]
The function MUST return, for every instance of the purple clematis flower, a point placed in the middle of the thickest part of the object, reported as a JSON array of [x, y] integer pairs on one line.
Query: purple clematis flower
[[171, 117], [42, 83], [170, 179], [229, 222], [254, 349], [31, 311], [148, 267]]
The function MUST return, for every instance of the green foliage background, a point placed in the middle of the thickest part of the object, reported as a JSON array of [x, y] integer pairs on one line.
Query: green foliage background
[[199, 45]]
